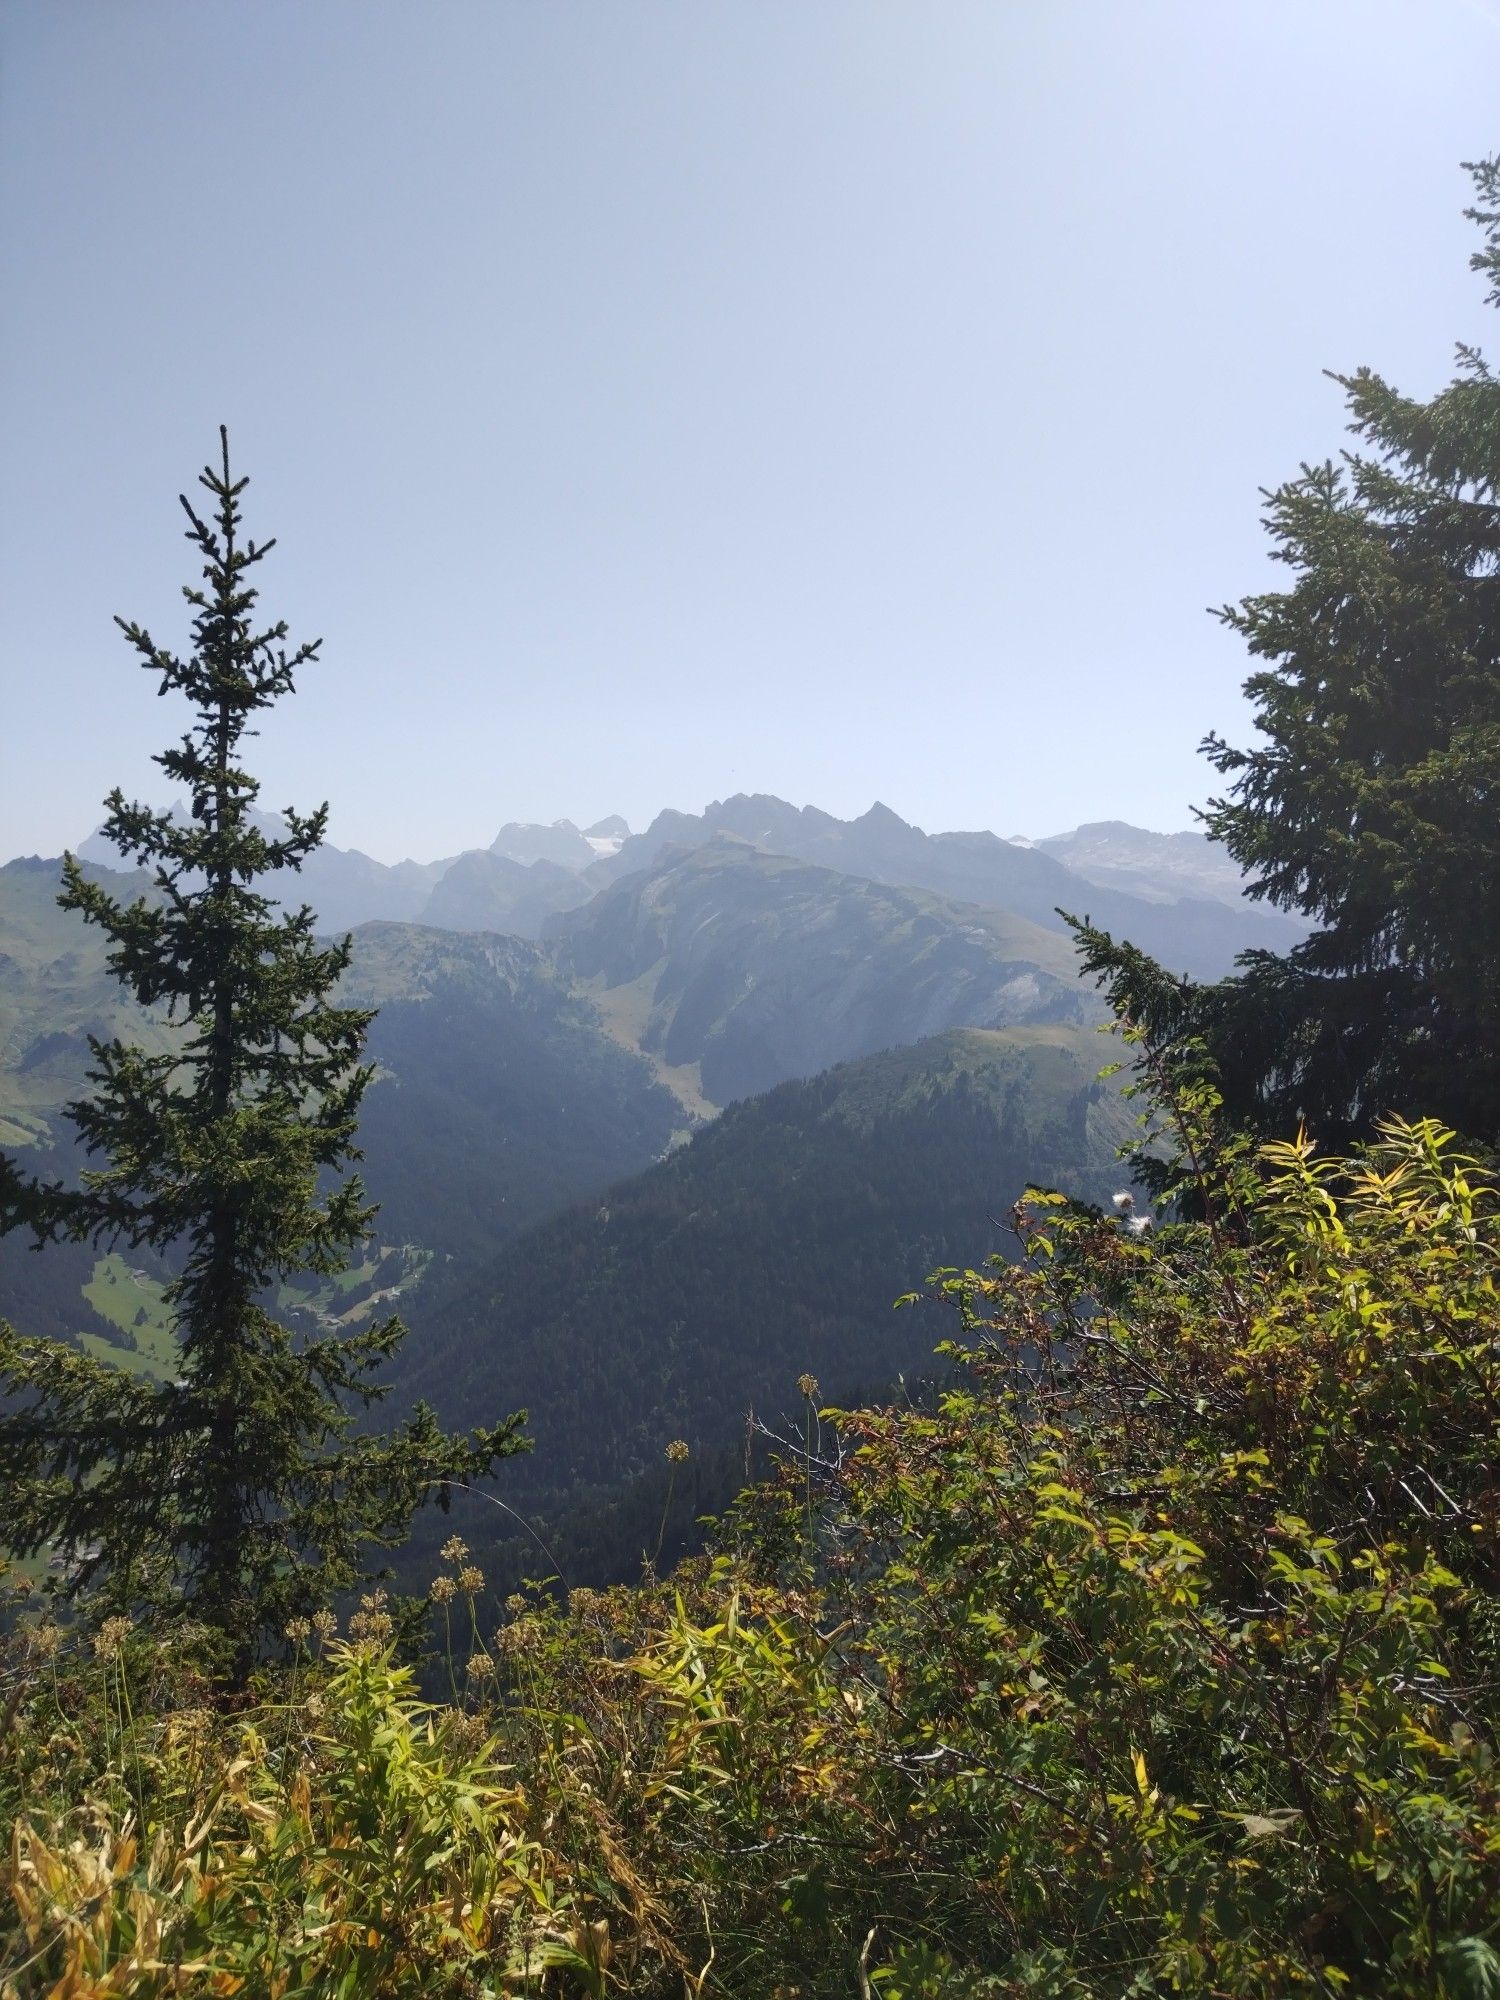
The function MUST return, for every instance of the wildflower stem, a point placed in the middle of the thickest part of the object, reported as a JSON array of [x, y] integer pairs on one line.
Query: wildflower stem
[[666, 1509]]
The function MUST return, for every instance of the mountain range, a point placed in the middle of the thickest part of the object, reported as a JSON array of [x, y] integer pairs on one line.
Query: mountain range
[[1177, 895], [1187, 921], [659, 1120]]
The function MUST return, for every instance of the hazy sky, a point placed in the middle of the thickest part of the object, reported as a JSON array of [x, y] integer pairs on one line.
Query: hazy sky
[[656, 399]]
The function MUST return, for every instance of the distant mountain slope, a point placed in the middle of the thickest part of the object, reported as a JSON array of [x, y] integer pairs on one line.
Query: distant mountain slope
[[1159, 867], [1200, 936], [561, 844], [1177, 895], [486, 891], [748, 968], [499, 1096], [56, 990], [773, 1242], [494, 888], [343, 886]]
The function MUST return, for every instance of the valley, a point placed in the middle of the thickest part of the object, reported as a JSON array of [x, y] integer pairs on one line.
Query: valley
[[658, 1121]]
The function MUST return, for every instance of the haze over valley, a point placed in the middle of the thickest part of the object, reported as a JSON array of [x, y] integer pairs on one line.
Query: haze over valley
[[563, 1018]]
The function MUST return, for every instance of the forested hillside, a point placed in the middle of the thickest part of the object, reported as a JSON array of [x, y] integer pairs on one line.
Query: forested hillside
[[498, 1096], [772, 1245], [514, 1077]]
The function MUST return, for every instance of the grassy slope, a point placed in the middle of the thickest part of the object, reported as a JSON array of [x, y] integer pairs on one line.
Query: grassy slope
[[122, 1293], [55, 990]]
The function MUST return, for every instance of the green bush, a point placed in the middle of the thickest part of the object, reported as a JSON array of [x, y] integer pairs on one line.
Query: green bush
[[1160, 1655]]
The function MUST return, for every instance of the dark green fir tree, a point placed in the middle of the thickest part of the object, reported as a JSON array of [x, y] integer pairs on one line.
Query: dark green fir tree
[[242, 1494], [1371, 802]]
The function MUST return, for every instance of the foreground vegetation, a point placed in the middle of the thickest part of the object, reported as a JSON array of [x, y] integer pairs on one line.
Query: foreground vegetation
[[1162, 1654]]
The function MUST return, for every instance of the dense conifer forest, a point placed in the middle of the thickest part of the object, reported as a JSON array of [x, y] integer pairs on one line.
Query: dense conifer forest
[[1120, 1616]]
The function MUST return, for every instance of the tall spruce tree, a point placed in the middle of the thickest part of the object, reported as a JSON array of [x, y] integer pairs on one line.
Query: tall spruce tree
[[1372, 801], [240, 1493]]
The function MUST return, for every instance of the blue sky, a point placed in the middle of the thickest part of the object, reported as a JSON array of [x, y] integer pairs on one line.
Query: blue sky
[[658, 399]]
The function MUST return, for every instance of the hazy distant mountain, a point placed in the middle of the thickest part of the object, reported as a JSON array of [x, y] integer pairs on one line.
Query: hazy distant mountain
[[607, 836], [342, 885], [486, 891], [1177, 895], [1199, 936], [742, 968], [490, 888], [56, 990], [1159, 867], [561, 844]]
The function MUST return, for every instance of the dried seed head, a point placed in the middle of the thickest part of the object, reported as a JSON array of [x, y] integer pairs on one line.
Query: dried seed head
[[519, 1639], [463, 1732], [42, 1641], [372, 1623], [111, 1636]]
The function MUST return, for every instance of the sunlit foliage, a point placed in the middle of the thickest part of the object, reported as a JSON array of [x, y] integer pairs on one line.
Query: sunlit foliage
[[1160, 1654]]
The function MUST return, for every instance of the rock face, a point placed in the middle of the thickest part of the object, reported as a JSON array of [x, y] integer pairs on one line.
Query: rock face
[[1158, 867], [757, 968], [486, 891], [560, 844], [607, 836]]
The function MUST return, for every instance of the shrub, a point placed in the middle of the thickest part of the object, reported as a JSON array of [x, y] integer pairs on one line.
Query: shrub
[[1160, 1653]]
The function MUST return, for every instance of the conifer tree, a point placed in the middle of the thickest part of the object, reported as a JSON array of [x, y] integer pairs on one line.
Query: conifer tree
[[1371, 801], [239, 1493]]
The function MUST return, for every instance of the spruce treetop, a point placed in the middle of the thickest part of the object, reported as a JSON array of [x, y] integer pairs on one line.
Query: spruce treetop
[[1370, 800]]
